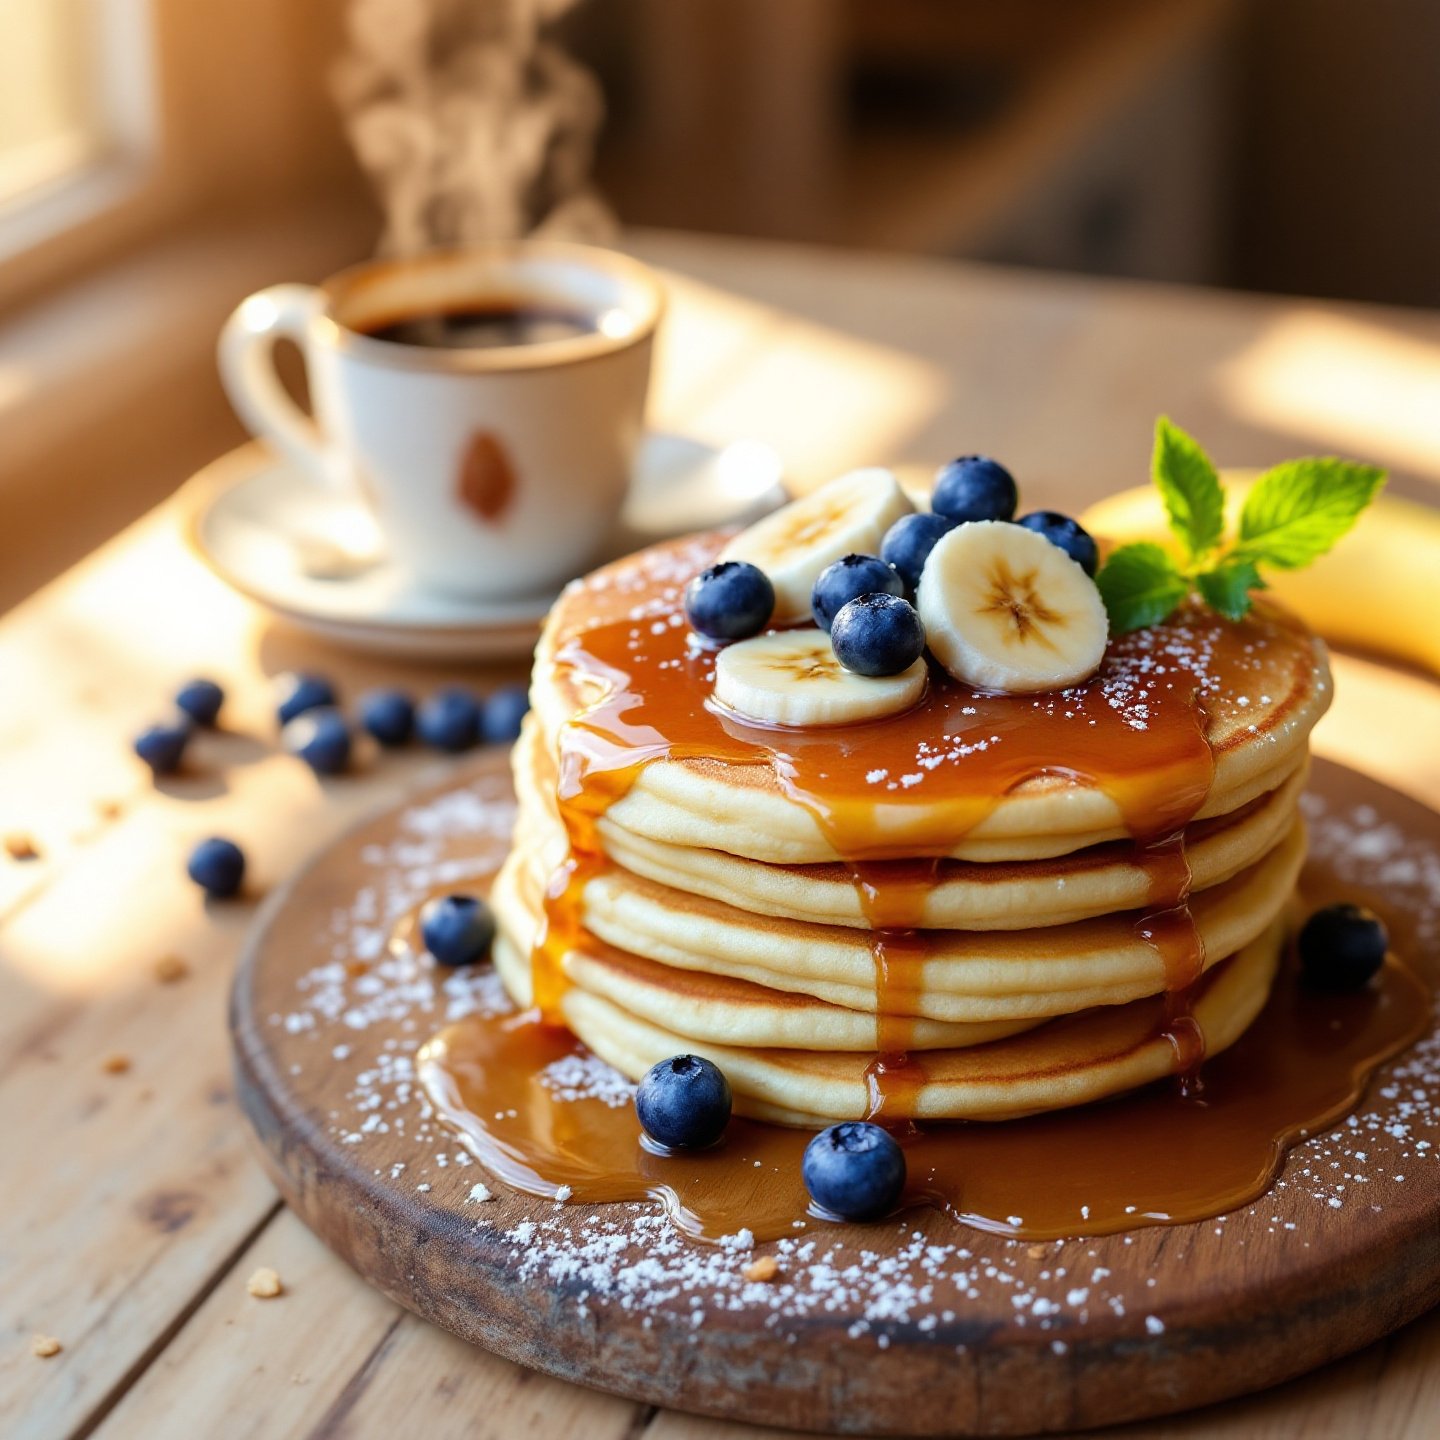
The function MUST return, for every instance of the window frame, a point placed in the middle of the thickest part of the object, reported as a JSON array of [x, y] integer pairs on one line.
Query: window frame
[[56, 223]]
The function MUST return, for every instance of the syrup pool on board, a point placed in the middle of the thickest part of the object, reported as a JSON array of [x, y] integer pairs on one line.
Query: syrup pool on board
[[1150, 1157], [1155, 1156]]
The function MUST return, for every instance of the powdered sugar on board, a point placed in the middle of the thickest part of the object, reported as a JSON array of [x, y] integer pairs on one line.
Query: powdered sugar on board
[[366, 1005]]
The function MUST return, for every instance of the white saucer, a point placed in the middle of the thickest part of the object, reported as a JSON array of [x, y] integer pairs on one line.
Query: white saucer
[[315, 560]]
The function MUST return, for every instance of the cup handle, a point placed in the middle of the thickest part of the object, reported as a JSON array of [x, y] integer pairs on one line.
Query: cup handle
[[247, 371]]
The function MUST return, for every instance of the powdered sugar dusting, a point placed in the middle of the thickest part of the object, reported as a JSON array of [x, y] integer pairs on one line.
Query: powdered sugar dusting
[[366, 1006], [586, 1077]]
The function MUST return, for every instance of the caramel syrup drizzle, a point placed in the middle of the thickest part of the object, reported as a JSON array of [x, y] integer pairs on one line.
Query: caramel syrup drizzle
[[652, 685]]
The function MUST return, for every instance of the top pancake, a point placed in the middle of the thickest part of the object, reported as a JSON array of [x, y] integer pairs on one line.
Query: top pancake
[[1261, 684]]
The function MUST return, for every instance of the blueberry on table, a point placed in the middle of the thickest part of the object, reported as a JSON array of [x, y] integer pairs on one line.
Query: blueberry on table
[[909, 541], [730, 601], [162, 746], [457, 929], [388, 715], [320, 738], [1342, 947], [847, 579], [201, 700], [974, 487], [854, 1170], [450, 720], [878, 635], [217, 866], [683, 1103], [298, 691], [503, 712], [1066, 534]]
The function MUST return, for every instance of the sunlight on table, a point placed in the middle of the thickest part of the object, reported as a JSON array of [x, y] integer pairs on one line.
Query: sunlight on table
[[1362, 389]]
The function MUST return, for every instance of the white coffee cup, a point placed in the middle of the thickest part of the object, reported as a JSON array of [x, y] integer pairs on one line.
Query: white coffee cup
[[493, 471]]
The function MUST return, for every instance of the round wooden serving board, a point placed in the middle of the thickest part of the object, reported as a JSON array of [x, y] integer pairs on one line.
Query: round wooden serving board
[[916, 1325]]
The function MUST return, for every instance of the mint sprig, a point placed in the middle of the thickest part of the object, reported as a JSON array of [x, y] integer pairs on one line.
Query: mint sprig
[[1190, 487], [1293, 514], [1140, 585], [1298, 510]]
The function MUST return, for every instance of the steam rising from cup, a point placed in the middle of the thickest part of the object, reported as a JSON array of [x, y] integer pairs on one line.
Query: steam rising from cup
[[471, 123]]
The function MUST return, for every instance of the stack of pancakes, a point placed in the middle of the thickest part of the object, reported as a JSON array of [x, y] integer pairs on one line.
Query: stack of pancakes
[[720, 921]]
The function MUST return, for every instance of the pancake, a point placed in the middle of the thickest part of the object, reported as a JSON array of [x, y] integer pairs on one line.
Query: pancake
[[964, 977], [959, 881], [1070, 1061], [1264, 682], [704, 1005], [961, 895]]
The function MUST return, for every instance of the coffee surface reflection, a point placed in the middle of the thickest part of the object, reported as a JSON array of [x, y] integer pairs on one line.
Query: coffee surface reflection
[[484, 327]]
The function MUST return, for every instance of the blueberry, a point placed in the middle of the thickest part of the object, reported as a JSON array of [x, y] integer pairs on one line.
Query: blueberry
[[162, 746], [730, 601], [457, 929], [1342, 947], [909, 541], [201, 700], [683, 1103], [503, 712], [320, 738], [1062, 531], [854, 1170], [217, 866], [297, 691], [846, 580], [878, 635], [450, 719], [388, 715], [974, 487]]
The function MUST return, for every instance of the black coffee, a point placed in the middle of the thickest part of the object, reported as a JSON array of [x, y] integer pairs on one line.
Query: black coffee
[[485, 327]]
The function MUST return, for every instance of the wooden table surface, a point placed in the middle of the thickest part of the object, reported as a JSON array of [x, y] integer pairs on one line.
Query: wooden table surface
[[133, 1210]]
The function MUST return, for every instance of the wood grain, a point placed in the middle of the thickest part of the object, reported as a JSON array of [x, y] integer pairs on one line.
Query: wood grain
[[1060, 376]]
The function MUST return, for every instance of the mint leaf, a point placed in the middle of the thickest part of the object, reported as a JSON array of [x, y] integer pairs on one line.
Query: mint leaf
[[1190, 488], [1141, 585], [1227, 587], [1298, 510]]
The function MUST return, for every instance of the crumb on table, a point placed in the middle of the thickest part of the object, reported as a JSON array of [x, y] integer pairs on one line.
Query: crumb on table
[[21, 847], [115, 1064], [45, 1346], [762, 1268], [170, 968], [264, 1283]]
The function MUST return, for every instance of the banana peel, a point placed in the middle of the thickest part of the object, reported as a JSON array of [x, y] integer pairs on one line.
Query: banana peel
[[1378, 590]]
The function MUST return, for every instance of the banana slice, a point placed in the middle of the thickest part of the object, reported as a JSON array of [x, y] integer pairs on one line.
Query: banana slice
[[1004, 609], [849, 516], [791, 677]]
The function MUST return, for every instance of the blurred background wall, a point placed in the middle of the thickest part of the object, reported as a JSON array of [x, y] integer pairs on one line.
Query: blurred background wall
[[1279, 145], [1286, 145]]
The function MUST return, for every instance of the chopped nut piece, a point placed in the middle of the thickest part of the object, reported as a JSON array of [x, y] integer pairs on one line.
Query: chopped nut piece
[[170, 968], [1035, 1252], [45, 1346], [762, 1268], [115, 1064], [21, 847], [264, 1284]]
